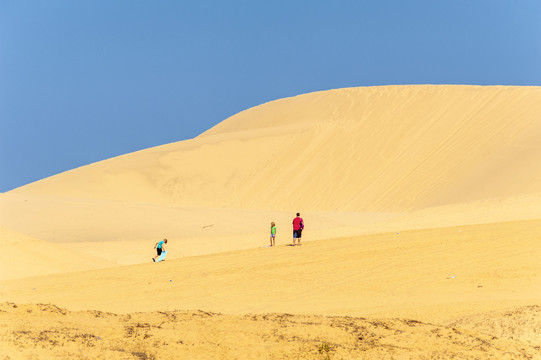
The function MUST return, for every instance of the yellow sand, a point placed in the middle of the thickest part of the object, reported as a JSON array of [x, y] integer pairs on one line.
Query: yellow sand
[[420, 203]]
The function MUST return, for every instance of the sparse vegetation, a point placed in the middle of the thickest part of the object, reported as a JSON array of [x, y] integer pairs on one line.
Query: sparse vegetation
[[324, 349], [151, 336]]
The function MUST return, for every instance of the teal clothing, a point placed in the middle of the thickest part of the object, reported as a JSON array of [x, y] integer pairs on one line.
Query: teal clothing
[[160, 244]]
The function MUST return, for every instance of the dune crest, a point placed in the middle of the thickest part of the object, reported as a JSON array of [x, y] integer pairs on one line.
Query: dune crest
[[384, 149]]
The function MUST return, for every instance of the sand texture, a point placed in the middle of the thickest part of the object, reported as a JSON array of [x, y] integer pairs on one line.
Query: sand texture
[[422, 207], [203, 335]]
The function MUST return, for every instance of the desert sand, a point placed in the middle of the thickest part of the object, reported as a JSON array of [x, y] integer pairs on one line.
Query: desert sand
[[422, 207]]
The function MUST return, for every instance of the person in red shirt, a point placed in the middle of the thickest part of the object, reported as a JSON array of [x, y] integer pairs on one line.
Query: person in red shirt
[[298, 226]]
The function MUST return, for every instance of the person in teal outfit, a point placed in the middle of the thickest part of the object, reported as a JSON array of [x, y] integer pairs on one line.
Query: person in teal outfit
[[159, 248]]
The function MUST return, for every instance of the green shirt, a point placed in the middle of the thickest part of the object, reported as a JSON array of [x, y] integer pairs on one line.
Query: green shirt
[[273, 230]]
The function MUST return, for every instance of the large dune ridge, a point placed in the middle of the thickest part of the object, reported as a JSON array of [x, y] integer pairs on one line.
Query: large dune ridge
[[423, 225], [382, 149]]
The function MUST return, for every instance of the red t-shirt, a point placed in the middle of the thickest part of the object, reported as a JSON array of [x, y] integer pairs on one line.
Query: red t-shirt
[[297, 223]]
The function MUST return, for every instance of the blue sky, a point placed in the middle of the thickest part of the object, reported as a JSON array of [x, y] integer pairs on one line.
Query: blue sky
[[83, 81]]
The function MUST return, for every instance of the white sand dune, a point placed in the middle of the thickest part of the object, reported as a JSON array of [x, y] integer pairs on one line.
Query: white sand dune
[[426, 201]]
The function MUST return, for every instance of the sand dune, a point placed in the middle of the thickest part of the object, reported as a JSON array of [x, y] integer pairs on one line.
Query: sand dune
[[350, 159], [423, 213], [465, 292], [429, 275], [24, 256], [124, 233], [383, 149]]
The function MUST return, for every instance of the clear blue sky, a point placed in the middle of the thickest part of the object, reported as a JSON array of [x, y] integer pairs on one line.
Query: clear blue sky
[[83, 81]]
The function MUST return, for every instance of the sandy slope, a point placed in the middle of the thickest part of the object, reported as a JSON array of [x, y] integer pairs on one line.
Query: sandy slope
[[421, 202], [349, 159], [429, 275], [24, 256], [460, 292], [125, 232], [384, 149]]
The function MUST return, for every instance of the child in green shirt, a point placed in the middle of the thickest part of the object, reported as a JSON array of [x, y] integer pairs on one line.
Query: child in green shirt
[[272, 234]]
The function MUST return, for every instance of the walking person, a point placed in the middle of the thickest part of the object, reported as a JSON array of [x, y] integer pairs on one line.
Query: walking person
[[298, 226]]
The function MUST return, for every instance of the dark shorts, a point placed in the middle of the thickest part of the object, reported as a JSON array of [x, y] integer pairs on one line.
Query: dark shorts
[[297, 234], [159, 250]]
